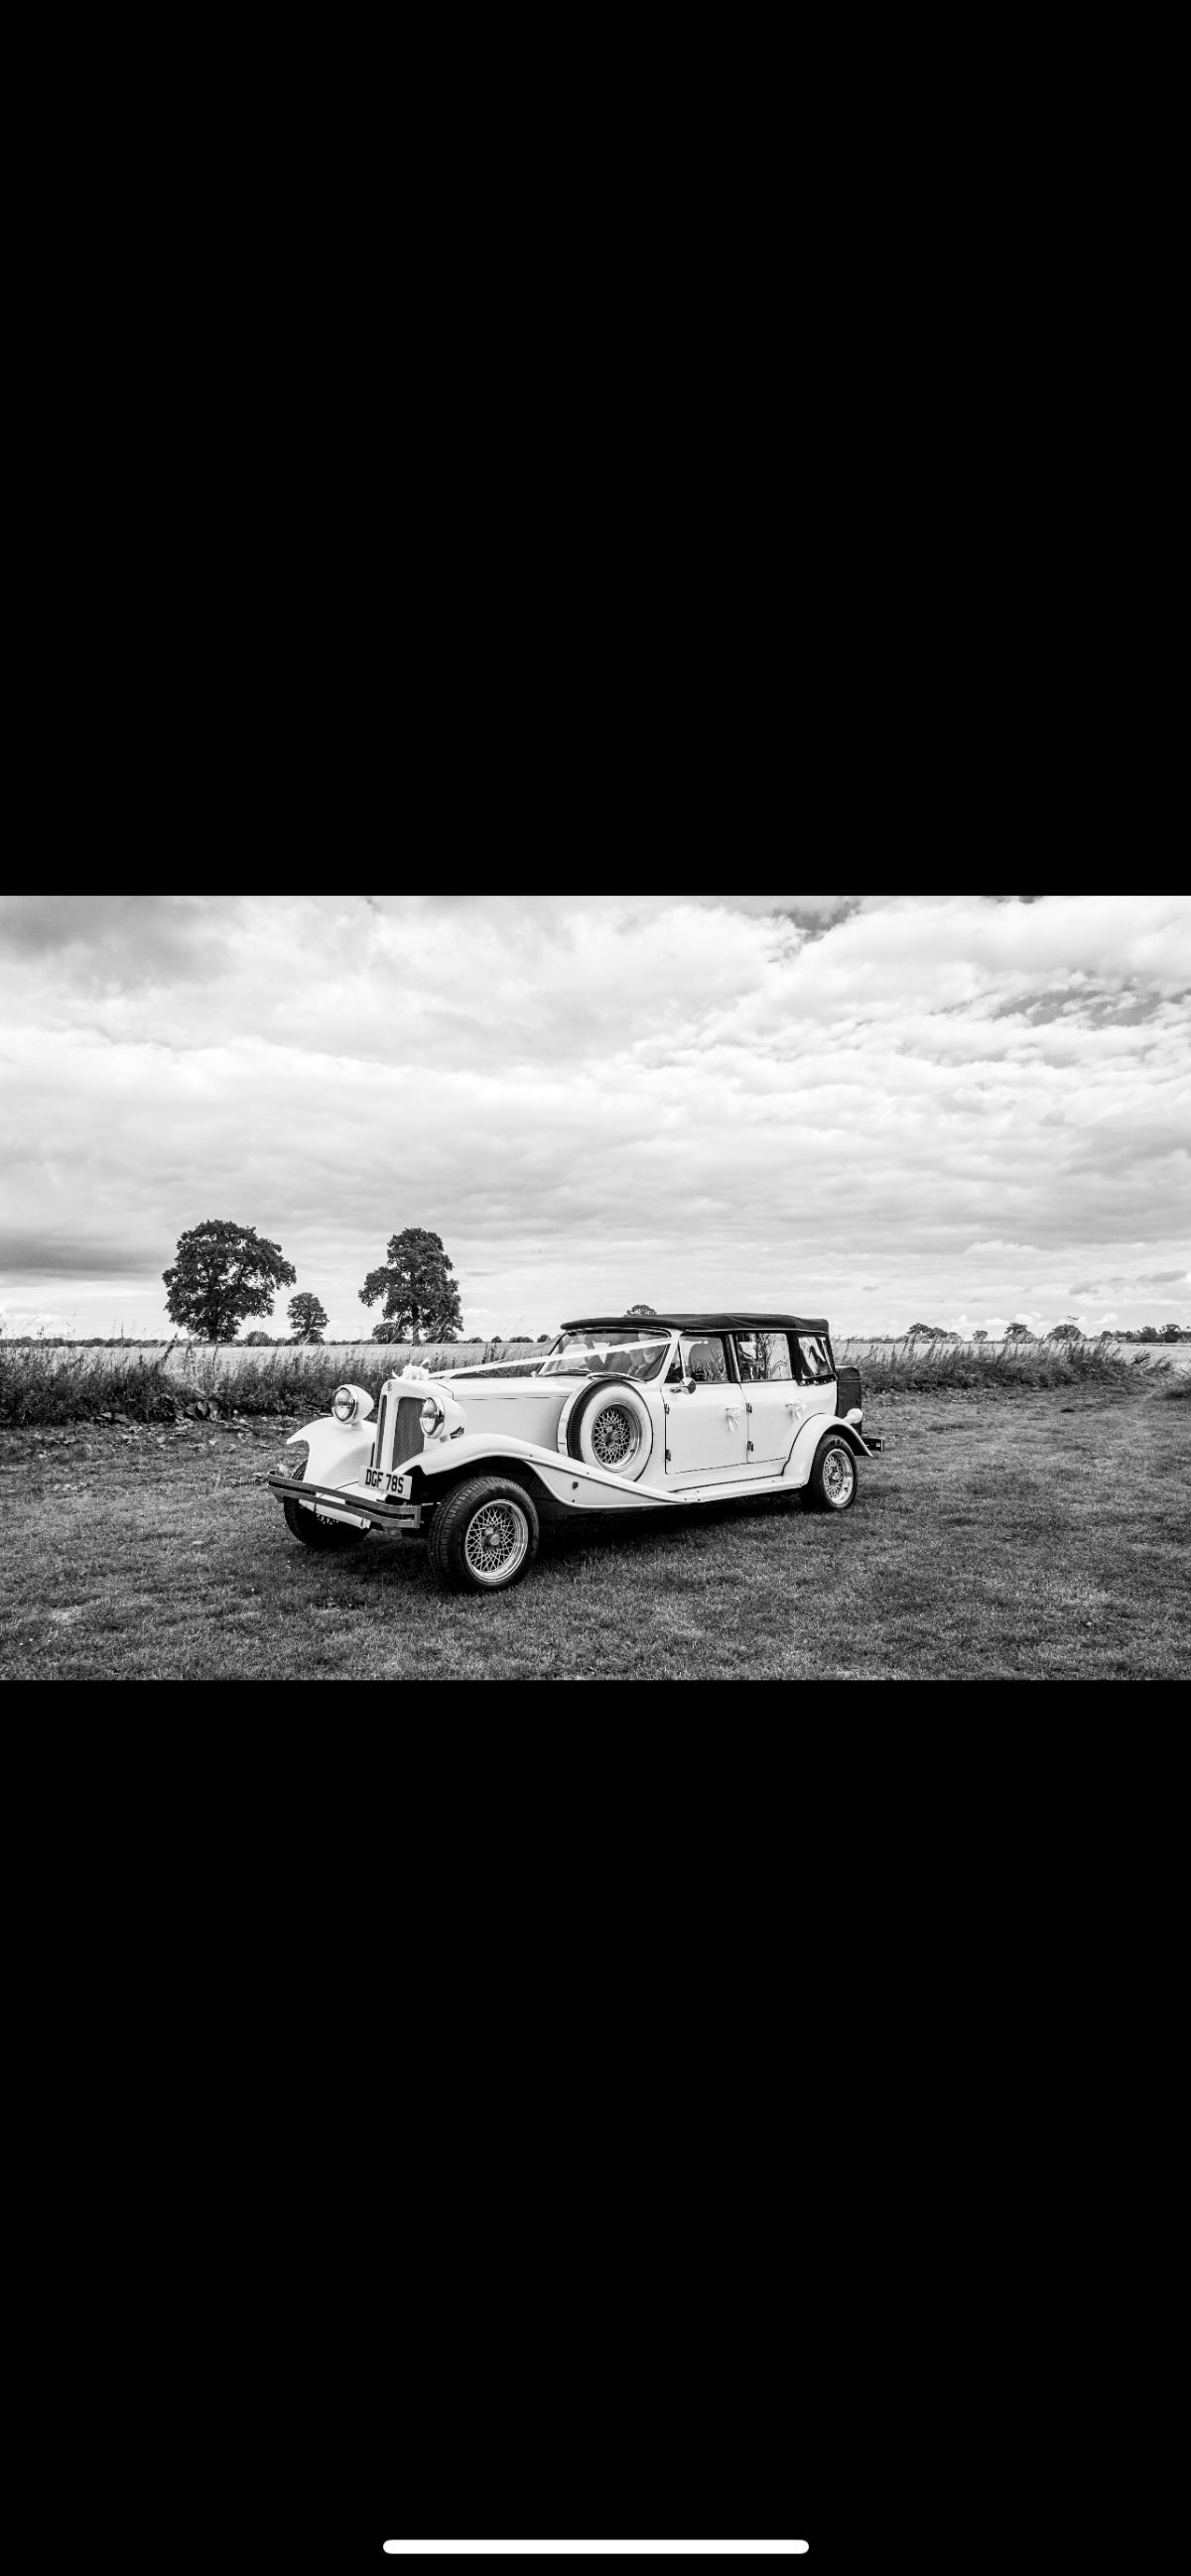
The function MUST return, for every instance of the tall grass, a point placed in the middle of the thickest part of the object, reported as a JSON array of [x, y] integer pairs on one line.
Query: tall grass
[[991, 1368], [63, 1382], [57, 1382]]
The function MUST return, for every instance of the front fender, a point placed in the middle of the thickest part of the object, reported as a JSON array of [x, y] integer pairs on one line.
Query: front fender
[[571, 1482], [339, 1451], [477, 1449]]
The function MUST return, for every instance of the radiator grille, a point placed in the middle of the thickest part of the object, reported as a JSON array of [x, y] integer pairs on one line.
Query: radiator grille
[[407, 1434], [378, 1450]]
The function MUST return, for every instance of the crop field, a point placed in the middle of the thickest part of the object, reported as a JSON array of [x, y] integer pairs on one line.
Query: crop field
[[1015, 1528]]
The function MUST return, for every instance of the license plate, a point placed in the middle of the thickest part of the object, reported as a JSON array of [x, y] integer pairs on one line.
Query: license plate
[[384, 1483]]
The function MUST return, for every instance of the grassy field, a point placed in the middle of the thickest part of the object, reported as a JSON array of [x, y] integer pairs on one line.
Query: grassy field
[[1009, 1531]]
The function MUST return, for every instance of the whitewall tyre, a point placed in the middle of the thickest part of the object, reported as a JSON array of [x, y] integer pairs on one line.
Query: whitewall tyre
[[611, 1428]]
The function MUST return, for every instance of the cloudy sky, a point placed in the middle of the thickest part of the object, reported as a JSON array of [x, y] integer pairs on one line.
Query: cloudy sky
[[887, 1108]]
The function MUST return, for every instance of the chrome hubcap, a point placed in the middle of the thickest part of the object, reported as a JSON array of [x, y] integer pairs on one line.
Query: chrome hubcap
[[496, 1541], [839, 1476], [614, 1437]]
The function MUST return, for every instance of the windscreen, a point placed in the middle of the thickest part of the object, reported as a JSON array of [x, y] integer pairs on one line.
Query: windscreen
[[607, 1354]]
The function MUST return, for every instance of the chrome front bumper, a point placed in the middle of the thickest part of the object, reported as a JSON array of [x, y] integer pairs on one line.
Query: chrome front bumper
[[331, 1503]]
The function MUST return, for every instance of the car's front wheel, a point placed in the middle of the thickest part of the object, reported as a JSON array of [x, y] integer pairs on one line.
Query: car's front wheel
[[831, 1485], [484, 1537]]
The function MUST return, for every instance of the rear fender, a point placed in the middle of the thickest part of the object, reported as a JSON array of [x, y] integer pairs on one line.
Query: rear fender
[[801, 1458]]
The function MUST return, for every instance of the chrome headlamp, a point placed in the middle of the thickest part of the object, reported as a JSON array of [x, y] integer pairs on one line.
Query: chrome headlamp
[[351, 1404], [430, 1416]]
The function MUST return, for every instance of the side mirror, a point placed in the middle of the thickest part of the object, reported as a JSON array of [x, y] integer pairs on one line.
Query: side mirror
[[690, 1384]]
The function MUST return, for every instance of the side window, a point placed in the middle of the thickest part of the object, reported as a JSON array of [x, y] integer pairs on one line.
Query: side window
[[704, 1358], [762, 1357], [812, 1359], [775, 1355]]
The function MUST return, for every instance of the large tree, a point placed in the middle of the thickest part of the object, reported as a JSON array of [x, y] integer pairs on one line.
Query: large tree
[[222, 1274], [421, 1300], [308, 1316]]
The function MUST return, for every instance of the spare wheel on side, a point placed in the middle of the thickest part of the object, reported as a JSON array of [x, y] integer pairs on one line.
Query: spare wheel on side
[[611, 1427]]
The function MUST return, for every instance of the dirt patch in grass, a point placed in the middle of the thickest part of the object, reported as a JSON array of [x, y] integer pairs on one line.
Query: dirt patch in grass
[[1043, 1536]]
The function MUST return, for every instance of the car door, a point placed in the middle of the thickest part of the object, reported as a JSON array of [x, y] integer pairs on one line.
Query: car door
[[774, 1404], [785, 1378], [706, 1423], [814, 1375]]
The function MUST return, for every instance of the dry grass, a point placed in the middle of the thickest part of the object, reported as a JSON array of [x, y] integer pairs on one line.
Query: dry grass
[[1043, 1535], [59, 1383], [996, 1368]]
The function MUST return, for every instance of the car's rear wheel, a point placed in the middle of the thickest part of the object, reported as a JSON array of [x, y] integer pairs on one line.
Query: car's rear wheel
[[831, 1485], [484, 1537], [306, 1525]]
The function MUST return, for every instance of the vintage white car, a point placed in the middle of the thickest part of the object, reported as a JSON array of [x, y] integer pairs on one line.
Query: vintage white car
[[623, 1413]]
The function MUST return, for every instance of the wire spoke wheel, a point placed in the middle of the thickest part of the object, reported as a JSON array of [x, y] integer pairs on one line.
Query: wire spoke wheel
[[615, 1437], [839, 1477], [497, 1541]]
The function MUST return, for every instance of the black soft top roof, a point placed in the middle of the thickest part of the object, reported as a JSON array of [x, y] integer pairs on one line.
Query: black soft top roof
[[741, 1320]]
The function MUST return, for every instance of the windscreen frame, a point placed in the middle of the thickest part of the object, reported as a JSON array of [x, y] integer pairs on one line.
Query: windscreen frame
[[664, 1336]]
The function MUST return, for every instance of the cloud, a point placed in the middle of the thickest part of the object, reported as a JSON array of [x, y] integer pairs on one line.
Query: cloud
[[39, 1254], [1145, 1284], [35, 1319], [119, 940], [813, 914], [619, 1096]]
